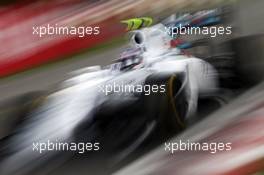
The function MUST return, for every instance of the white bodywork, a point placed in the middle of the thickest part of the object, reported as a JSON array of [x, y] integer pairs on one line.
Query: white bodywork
[[201, 77], [158, 57]]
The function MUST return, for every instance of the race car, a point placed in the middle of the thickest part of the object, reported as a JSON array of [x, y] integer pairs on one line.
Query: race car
[[149, 94]]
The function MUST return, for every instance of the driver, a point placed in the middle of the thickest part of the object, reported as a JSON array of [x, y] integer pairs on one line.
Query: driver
[[131, 58]]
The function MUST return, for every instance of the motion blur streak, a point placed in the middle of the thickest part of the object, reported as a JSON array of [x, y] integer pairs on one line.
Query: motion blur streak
[[22, 50], [218, 92], [240, 123]]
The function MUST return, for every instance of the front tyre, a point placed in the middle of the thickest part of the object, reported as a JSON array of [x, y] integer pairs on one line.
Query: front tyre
[[169, 108]]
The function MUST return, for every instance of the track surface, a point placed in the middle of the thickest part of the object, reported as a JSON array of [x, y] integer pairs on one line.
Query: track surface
[[43, 78]]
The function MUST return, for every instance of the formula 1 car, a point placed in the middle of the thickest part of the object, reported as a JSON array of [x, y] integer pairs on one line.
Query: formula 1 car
[[150, 93]]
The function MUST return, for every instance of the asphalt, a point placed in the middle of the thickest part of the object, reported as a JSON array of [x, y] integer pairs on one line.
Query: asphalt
[[41, 79]]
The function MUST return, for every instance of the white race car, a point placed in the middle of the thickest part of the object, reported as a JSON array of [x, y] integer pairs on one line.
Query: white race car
[[151, 91]]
